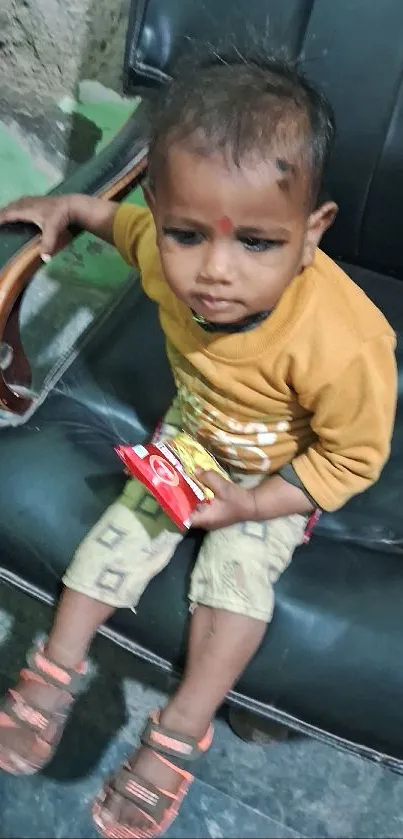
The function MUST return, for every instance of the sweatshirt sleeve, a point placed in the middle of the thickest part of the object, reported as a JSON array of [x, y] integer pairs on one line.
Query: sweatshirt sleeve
[[135, 239], [353, 419]]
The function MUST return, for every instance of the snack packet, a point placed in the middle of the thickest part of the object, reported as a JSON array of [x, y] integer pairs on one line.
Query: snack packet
[[168, 470]]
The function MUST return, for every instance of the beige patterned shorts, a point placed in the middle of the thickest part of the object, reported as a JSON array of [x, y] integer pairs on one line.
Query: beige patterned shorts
[[134, 540]]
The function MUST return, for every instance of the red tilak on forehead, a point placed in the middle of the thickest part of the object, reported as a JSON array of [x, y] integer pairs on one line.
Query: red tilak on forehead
[[224, 225]]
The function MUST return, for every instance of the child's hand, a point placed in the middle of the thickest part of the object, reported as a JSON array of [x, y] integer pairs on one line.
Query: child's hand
[[55, 215], [51, 215], [231, 503]]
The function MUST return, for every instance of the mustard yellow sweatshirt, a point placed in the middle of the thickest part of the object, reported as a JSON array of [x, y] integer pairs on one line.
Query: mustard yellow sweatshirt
[[314, 385]]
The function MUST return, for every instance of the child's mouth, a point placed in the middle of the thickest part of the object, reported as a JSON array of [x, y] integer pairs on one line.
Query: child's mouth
[[212, 304]]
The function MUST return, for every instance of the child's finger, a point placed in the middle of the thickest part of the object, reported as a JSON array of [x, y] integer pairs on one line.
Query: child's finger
[[204, 516], [215, 482]]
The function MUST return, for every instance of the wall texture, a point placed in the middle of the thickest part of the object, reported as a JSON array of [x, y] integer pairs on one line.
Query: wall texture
[[46, 46]]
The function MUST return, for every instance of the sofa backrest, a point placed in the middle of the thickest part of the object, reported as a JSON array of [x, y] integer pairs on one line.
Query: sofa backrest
[[353, 50]]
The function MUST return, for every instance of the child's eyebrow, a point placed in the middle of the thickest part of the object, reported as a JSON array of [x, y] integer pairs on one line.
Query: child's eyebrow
[[269, 233], [174, 221]]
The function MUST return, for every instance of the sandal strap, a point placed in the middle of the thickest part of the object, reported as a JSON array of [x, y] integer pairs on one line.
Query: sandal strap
[[147, 797], [27, 714], [169, 743], [158, 805], [72, 682]]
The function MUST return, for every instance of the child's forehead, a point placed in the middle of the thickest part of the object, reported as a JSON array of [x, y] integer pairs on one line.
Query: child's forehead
[[256, 186], [224, 225]]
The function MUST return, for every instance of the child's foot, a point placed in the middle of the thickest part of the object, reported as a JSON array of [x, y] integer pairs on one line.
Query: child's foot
[[144, 797], [35, 712]]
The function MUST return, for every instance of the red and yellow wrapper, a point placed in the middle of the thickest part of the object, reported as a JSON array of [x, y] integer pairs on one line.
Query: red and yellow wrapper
[[168, 470]]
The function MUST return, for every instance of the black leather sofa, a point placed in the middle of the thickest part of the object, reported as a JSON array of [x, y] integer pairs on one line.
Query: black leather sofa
[[331, 664]]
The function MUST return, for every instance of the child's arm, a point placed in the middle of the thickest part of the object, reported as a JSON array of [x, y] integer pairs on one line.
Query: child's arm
[[274, 498], [353, 419], [54, 215]]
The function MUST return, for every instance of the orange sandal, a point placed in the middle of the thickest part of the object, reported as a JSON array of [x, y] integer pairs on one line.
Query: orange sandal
[[159, 806], [48, 726]]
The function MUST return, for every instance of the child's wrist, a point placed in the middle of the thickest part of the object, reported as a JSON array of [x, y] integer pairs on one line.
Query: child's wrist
[[249, 506], [96, 215], [77, 209]]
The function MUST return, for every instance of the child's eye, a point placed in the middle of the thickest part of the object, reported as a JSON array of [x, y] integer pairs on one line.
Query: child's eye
[[183, 237], [252, 243]]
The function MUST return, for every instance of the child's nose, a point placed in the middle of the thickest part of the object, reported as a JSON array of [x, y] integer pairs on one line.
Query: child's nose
[[218, 265]]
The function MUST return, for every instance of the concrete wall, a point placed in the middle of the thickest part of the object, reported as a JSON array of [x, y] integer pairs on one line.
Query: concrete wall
[[47, 45], [46, 48]]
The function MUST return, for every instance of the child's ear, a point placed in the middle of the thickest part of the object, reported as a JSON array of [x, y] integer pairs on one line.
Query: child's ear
[[319, 221]]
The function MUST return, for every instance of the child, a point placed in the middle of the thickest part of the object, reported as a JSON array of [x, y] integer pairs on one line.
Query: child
[[284, 370]]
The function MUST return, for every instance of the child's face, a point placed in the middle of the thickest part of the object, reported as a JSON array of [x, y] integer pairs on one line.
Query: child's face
[[232, 239]]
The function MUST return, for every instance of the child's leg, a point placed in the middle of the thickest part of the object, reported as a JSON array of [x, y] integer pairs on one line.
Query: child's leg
[[110, 570], [26, 746], [233, 585], [77, 620], [223, 644]]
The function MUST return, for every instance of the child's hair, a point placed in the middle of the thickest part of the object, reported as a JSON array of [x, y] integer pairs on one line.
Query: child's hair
[[244, 105]]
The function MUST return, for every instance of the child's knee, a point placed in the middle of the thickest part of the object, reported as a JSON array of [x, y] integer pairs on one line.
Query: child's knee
[[226, 584], [118, 558], [238, 566]]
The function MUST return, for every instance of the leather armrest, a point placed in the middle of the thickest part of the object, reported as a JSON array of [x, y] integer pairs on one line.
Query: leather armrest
[[112, 174]]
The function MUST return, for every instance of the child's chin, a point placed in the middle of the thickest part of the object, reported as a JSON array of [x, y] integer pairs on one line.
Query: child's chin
[[228, 316]]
